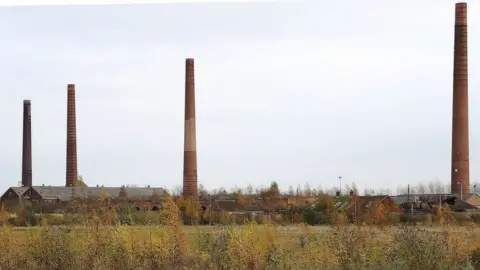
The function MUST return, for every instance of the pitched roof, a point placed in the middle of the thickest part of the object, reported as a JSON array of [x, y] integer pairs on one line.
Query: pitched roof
[[366, 201], [461, 205], [363, 202], [430, 198], [231, 206], [434, 199], [469, 196], [67, 193], [341, 205], [20, 191]]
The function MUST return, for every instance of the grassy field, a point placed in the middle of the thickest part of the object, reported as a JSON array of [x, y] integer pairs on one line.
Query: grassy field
[[98, 242], [96, 246], [286, 235]]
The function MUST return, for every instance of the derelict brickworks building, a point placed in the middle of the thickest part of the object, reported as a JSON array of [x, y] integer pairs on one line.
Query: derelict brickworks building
[[460, 178], [460, 171], [73, 187]]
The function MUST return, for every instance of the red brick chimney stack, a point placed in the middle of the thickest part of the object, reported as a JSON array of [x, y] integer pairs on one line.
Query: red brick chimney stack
[[190, 188], [460, 171], [27, 145], [71, 172]]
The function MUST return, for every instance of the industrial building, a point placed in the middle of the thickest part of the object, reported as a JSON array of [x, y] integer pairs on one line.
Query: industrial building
[[460, 170], [75, 189], [67, 194]]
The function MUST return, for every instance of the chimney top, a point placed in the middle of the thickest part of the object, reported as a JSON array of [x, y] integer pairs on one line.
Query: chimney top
[[189, 59], [26, 101], [461, 13]]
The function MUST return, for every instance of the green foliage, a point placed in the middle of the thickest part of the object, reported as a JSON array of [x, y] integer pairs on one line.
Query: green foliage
[[125, 215], [314, 217]]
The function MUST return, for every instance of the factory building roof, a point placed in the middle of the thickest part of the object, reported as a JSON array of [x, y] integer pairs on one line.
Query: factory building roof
[[68, 193]]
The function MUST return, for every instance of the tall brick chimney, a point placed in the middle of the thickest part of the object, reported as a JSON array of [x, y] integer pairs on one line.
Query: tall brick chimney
[[190, 188], [27, 145], [72, 174], [460, 174]]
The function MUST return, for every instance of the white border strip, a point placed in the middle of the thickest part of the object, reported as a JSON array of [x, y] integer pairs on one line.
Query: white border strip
[[118, 2]]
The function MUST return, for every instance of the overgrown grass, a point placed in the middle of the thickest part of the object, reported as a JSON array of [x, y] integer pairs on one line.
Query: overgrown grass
[[97, 244]]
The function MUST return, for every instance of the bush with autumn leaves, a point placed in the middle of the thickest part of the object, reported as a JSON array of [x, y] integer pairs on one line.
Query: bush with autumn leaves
[[98, 243]]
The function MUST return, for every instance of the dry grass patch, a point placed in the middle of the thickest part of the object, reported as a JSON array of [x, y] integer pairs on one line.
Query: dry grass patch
[[96, 244]]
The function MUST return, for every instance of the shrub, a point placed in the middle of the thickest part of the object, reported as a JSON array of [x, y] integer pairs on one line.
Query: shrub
[[475, 258], [100, 242], [418, 248], [476, 217], [411, 219]]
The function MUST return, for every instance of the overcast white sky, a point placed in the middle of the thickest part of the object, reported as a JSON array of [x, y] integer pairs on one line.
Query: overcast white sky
[[292, 92]]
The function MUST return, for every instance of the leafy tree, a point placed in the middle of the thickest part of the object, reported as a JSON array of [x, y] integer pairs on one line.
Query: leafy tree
[[299, 191], [369, 192], [122, 195], [240, 198], [81, 182], [291, 192], [103, 195], [324, 204], [313, 217], [177, 191], [192, 210], [222, 191], [125, 215], [202, 192], [308, 190], [249, 190], [274, 190], [421, 188]]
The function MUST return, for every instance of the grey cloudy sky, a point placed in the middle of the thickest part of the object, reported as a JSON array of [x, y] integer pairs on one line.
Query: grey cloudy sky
[[294, 92]]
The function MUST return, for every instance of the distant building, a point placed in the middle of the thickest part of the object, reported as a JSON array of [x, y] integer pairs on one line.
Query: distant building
[[14, 193], [359, 205], [137, 196], [232, 207], [426, 202], [473, 199]]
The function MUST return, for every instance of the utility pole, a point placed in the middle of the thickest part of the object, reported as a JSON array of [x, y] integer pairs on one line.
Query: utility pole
[[408, 193], [440, 202], [461, 189], [408, 199], [340, 179]]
